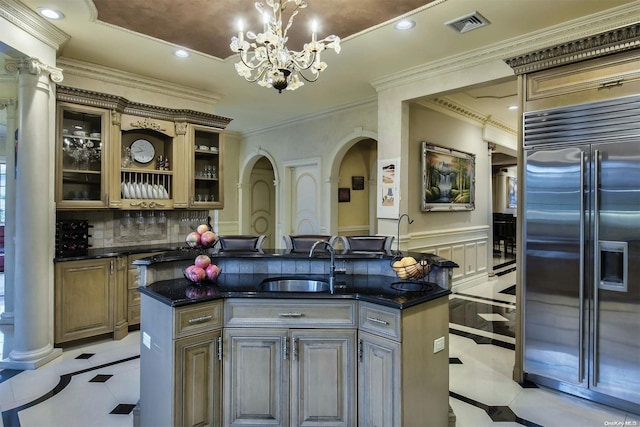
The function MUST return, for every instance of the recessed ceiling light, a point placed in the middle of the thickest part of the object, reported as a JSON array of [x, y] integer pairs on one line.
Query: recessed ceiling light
[[181, 53], [513, 107], [49, 13], [404, 24]]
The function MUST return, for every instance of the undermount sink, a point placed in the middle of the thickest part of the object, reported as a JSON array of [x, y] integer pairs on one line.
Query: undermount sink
[[293, 285]]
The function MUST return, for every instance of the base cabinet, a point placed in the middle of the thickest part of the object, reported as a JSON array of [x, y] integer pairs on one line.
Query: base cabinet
[[84, 298], [289, 377], [379, 387], [303, 363], [197, 380], [180, 369]]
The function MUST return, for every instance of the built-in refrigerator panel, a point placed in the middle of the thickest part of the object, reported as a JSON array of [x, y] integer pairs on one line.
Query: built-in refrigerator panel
[[581, 232], [615, 305], [554, 236]]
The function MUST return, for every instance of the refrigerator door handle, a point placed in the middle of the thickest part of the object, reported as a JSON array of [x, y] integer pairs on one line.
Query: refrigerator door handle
[[581, 284], [596, 262]]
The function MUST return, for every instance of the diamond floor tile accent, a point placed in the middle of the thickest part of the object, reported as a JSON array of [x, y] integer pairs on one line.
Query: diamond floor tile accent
[[123, 409], [85, 355], [100, 378]]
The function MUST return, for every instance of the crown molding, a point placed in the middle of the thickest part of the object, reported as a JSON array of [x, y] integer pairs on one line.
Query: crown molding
[[370, 101], [614, 41], [538, 40], [27, 20], [87, 70], [122, 105], [450, 107]]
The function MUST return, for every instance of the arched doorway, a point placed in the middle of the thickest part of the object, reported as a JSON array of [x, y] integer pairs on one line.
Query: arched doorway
[[357, 189], [258, 198]]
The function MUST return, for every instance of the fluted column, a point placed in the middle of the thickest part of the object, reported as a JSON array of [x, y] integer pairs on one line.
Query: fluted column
[[35, 213], [6, 317]]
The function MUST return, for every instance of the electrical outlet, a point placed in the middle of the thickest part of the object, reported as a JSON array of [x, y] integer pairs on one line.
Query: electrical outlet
[[438, 344], [146, 340]]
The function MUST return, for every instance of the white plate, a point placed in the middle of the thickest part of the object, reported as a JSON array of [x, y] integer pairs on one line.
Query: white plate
[[143, 190], [125, 190], [132, 190], [157, 192], [136, 190], [165, 193]]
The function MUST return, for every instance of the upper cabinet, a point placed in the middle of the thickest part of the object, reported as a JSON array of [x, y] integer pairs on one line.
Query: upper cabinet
[[138, 156], [82, 153], [149, 150], [205, 188]]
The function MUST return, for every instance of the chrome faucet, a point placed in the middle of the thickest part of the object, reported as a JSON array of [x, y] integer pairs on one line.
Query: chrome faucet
[[332, 254]]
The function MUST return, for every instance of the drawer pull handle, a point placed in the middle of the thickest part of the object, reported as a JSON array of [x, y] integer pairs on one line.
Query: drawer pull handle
[[200, 319], [290, 314], [381, 322]]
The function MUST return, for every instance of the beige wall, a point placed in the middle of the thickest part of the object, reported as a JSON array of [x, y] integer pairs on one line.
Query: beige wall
[[353, 216], [446, 131]]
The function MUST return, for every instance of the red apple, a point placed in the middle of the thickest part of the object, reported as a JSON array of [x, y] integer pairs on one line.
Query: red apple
[[208, 238], [202, 261], [196, 274], [202, 228], [212, 271], [193, 239]]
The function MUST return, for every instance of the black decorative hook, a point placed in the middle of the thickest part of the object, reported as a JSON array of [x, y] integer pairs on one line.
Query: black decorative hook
[[409, 221]]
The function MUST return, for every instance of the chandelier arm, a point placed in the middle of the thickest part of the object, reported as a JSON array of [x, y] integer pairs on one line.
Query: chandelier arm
[[258, 76], [299, 66], [317, 75], [251, 67]]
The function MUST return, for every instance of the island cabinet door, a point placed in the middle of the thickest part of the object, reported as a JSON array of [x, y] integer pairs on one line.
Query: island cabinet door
[[197, 381], [256, 377], [323, 378], [379, 384]]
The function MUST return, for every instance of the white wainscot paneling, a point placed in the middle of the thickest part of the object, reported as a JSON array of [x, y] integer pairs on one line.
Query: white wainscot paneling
[[466, 247]]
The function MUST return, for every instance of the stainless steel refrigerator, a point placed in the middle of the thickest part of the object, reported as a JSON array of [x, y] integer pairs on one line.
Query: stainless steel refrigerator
[[582, 250]]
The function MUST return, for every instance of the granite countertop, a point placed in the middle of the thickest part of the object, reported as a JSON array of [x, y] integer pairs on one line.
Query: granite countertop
[[120, 251], [378, 289], [188, 253]]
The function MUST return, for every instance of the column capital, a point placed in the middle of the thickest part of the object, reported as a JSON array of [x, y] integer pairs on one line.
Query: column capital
[[33, 66]]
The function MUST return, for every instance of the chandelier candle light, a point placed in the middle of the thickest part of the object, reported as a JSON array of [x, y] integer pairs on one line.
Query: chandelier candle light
[[270, 63]]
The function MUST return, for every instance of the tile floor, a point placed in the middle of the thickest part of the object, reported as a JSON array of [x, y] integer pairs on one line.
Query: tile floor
[[98, 384]]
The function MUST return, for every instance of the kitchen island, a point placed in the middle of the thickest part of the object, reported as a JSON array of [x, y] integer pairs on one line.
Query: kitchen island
[[372, 352]]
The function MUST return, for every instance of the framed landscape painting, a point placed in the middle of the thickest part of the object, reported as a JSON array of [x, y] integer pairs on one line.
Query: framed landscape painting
[[448, 179]]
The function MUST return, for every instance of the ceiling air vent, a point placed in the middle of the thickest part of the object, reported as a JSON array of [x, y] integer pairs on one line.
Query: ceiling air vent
[[468, 22]]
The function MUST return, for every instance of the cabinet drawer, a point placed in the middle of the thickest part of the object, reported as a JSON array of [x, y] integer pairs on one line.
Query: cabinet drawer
[[133, 297], [380, 320], [133, 315], [197, 318], [329, 313]]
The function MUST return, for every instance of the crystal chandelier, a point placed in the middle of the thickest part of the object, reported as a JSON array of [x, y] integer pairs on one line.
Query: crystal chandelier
[[270, 63]]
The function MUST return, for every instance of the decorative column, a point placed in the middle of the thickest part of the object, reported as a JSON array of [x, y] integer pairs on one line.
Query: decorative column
[[6, 318], [35, 213]]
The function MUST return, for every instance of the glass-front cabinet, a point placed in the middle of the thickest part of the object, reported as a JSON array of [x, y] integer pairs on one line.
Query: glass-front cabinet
[[206, 168], [82, 151]]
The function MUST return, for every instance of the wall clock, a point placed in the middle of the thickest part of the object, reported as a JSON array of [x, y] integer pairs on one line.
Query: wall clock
[[142, 151]]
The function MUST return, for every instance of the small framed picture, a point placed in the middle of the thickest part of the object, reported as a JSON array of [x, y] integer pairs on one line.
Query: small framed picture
[[357, 182], [344, 194]]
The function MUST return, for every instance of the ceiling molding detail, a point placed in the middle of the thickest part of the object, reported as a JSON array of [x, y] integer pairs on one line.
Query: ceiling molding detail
[[30, 22], [73, 67], [539, 40], [369, 102], [448, 106], [614, 41], [122, 105]]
